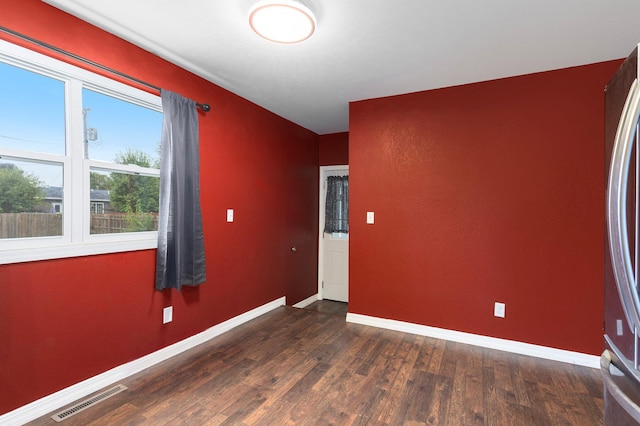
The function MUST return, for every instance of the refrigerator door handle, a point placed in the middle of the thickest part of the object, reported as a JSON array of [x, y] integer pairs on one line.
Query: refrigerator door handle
[[631, 408], [617, 208]]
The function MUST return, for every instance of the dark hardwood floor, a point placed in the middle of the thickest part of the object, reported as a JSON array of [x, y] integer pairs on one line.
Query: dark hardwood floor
[[309, 367], [328, 307]]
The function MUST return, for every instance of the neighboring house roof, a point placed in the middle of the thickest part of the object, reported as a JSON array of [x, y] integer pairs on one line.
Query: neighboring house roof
[[53, 193], [99, 195]]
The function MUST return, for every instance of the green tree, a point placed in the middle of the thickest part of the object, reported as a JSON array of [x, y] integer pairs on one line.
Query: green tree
[[100, 181], [136, 195], [19, 191]]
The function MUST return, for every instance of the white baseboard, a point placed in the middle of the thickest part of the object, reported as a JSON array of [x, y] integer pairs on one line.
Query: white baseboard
[[68, 395], [521, 348], [306, 302]]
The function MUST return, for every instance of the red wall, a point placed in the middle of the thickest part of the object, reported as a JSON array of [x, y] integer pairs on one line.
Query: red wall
[[63, 321], [484, 192], [334, 149]]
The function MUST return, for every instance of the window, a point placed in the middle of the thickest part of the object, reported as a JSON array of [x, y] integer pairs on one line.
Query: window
[[337, 207], [120, 133], [79, 160], [97, 208]]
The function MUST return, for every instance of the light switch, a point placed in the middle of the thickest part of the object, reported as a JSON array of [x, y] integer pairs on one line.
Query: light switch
[[370, 218], [167, 314], [229, 215]]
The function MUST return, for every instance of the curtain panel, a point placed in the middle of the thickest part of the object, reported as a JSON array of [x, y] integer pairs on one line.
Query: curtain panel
[[336, 215], [180, 257]]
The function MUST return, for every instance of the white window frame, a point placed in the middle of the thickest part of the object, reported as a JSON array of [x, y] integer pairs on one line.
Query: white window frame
[[97, 207], [76, 239]]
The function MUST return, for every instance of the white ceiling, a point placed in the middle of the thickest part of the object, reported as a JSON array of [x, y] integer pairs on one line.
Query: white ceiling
[[368, 48]]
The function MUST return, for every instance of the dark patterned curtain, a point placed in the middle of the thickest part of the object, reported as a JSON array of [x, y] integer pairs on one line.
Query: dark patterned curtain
[[336, 215]]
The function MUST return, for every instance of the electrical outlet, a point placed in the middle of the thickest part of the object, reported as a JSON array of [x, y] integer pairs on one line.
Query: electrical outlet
[[229, 215], [167, 314], [498, 310]]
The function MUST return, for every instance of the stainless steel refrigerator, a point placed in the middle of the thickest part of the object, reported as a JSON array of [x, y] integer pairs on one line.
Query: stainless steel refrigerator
[[620, 361]]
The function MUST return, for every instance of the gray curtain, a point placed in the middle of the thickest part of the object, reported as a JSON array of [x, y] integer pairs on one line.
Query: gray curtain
[[336, 212], [180, 259]]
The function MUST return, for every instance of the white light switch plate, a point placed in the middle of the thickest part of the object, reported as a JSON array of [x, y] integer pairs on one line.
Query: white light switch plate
[[167, 314], [498, 310], [370, 218], [229, 215]]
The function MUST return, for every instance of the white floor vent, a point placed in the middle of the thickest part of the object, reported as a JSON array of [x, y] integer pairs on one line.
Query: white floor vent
[[87, 403]]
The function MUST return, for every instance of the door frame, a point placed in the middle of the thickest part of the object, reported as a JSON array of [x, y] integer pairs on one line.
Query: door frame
[[325, 171]]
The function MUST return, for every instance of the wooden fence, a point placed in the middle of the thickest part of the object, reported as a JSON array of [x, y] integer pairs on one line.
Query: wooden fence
[[110, 223], [25, 225]]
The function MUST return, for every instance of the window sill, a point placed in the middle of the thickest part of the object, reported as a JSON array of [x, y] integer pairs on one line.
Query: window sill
[[73, 250]]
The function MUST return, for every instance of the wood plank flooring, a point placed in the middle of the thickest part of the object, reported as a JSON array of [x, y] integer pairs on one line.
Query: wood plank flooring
[[309, 367], [329, 307]]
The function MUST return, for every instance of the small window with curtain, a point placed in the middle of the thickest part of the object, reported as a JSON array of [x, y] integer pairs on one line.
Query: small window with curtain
[[336, 217]]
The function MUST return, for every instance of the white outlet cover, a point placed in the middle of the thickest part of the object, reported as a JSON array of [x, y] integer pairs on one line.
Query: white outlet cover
[[498, 310], [167, 314], [229, 215]]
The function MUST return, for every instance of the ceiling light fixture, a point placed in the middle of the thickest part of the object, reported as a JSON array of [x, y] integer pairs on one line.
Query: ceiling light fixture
[[282, 21]]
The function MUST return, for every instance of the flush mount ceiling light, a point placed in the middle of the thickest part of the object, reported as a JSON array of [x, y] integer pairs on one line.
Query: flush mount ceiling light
[[282, 21]]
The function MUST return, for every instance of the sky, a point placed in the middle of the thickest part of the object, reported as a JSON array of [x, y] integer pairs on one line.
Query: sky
[[32, 119]]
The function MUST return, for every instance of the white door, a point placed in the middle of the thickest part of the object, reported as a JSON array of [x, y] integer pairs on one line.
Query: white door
[[333, 252], [336, 269]]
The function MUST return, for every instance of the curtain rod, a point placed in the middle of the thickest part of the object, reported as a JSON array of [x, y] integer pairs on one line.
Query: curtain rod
[[203, 107]]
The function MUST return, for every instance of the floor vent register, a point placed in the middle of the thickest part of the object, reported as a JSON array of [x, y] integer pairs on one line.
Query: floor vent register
[[65, 414]]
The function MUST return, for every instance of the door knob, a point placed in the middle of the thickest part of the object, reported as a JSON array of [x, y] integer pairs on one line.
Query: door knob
[[293, 249]]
